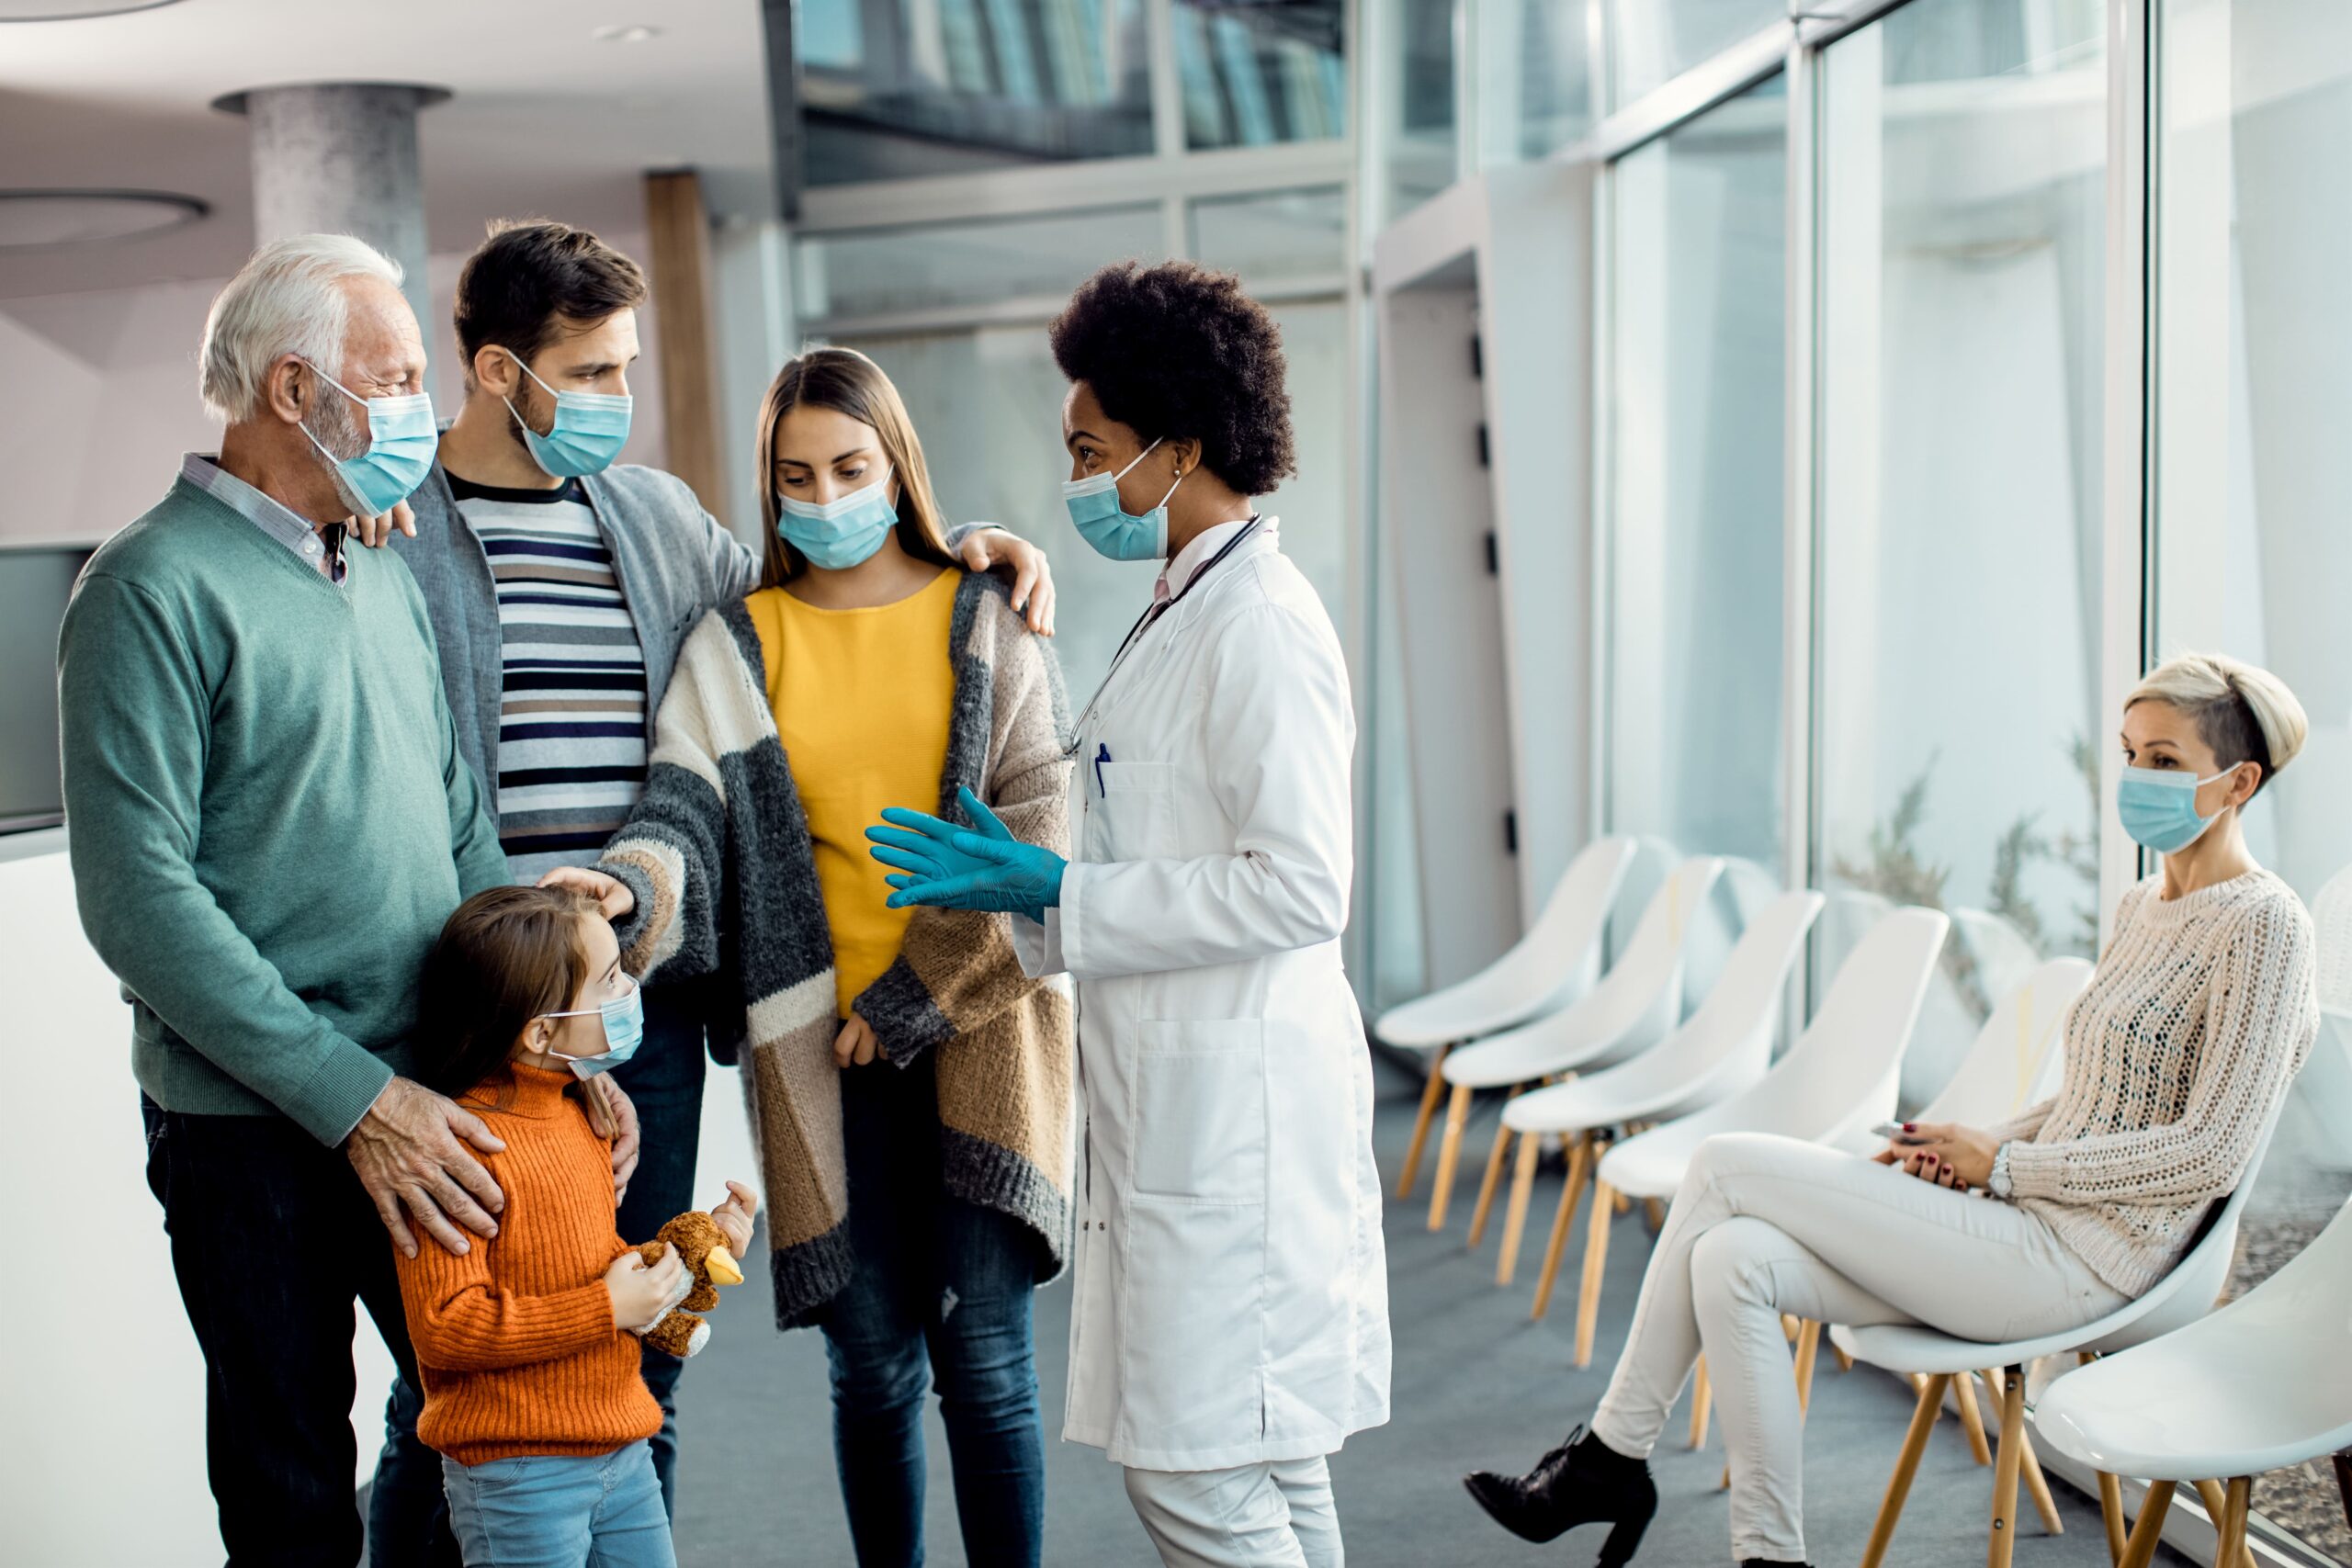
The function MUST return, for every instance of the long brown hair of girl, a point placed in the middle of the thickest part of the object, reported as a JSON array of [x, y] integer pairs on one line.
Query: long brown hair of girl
[[847, 382], [508, 955]]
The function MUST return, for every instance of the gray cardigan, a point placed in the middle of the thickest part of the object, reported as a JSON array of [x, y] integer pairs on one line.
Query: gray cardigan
[[673, 561]]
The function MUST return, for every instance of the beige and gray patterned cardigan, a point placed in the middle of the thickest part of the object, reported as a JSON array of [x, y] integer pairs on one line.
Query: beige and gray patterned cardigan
[[718, 855]]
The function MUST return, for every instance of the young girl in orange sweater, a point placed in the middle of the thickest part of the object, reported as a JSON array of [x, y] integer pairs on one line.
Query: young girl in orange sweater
[[533, 1395]]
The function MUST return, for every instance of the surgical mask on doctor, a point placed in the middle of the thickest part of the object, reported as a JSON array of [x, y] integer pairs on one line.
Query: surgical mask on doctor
[[2159, 807], [624, 1019], [841, 533], [402, 441], [589, 432], [1101, 521]]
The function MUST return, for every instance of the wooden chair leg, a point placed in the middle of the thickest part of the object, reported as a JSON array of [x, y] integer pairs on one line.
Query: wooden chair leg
[[1522, 1192], [1971, 1420], [1579, 1159], [1808, 1350], [1596, 1258], [2239, 1504], [2216, 1498], [1906, 1465], [1448, 1155], [1625, 1204], [1845, 1362], [1430, 1093], [2111, 1512], [2006, 1462], [1703, 1399], [1657, 1212], [2029, 1464], [1492, 1180], [2148, 1528]]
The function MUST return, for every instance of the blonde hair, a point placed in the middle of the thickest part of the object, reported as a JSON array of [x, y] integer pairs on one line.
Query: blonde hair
[[847, 382], [2243, 713]]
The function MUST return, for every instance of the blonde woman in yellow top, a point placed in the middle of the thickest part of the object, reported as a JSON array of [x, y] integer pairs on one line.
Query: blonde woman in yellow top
[[910, 1087]]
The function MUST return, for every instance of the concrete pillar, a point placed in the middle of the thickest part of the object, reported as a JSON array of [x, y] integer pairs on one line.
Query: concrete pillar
[[340, 158]]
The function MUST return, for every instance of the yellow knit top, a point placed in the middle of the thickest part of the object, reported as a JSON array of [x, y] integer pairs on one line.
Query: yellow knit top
[[862, 701]]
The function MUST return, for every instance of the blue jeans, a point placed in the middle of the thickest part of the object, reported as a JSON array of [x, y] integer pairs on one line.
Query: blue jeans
[[561, 1511], [277, 1341], [941, 1292], [663, 1080]]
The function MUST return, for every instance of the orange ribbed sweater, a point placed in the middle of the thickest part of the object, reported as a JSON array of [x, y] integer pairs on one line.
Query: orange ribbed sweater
[[515, 1340]]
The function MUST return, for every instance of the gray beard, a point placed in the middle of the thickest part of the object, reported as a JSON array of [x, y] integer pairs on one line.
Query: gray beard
[[334, 424]]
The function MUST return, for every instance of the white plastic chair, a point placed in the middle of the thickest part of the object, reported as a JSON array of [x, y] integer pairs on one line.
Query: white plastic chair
[[1840, 1077], [2259, 1384], [2332, 924], [2014, 1060], [1636, 1004], [1724, 1047], [2180, 1298], [1551, 966]]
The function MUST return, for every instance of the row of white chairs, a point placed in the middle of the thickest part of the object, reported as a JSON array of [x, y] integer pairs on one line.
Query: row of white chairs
[[1602, 1051]]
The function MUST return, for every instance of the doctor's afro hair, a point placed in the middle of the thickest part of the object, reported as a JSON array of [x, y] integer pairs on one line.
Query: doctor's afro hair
[[1176, 351]]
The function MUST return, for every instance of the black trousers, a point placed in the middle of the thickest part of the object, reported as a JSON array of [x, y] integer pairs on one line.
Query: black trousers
[[272, 1239]]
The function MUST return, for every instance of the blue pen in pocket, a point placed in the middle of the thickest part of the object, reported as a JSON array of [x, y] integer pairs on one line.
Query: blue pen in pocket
[[1101, 755]]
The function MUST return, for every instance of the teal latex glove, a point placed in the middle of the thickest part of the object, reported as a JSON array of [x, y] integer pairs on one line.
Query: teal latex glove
[[983, 867]]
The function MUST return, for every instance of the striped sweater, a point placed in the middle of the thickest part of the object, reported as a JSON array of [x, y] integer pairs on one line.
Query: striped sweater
[[718, 855], [515, 1338], [2177, 1055]]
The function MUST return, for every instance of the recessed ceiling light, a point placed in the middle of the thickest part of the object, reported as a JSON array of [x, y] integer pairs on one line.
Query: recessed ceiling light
[[630, 32], [49, 220], [72, 10]]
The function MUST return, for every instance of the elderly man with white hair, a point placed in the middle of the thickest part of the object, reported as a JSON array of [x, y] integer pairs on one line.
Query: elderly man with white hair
[[269, 821]]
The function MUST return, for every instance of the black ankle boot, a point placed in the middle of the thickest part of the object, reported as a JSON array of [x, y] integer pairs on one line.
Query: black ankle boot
[[1582, 1482]]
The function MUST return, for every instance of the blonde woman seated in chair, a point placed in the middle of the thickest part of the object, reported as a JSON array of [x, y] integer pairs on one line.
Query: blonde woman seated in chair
[[2200, 1011]]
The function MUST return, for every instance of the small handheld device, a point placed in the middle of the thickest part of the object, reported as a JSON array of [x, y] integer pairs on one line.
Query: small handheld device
[[1894, 1134]]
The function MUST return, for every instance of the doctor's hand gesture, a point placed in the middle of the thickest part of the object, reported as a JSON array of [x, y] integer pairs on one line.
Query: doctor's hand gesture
[[942, 866]]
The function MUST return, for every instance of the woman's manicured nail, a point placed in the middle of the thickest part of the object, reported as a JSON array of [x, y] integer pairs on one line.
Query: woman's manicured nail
[[1910, 1126]]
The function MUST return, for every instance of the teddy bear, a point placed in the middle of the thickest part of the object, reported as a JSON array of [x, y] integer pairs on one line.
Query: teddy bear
[[704, 1248]]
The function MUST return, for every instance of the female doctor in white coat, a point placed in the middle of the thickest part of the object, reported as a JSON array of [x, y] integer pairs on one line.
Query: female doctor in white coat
[[1230, 1322]]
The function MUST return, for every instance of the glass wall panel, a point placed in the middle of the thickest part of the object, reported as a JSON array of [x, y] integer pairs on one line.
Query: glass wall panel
[[1253, 75], [1960, 320], [892, 88], [1419, 153], [1274, 236], [1555, 74], [2254, 554], [961, 264], [1652, 41], [1697, 322]]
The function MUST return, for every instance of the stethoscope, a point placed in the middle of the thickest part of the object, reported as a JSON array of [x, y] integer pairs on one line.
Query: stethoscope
[[1151, 612]]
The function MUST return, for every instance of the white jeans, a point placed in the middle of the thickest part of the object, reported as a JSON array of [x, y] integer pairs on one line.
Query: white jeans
[[1277, 1516], [1766, 1225]]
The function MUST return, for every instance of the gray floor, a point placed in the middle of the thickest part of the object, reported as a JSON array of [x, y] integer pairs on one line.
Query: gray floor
[[1476, 1384]]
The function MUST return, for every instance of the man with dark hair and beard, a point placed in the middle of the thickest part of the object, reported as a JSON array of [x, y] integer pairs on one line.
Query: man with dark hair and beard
[[560, 583]]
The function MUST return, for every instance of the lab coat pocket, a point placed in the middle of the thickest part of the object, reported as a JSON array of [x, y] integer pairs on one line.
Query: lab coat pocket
[[1200, 1111], [1129, 809]]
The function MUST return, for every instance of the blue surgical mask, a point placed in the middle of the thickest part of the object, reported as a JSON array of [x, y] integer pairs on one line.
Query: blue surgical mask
[[840, 534], [2159, 807], [589, 432], [402, 441], [624, 1019], [1102, 522]]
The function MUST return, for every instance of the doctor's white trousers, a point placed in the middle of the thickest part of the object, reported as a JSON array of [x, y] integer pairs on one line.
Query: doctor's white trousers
[[1765, 1226], [1276, 1515]]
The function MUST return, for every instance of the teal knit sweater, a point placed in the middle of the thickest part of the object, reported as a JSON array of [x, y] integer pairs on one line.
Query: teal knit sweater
[[268, 816]]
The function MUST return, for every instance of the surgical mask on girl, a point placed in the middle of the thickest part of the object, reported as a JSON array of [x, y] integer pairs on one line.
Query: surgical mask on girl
[[1102, 522], [624, 1019], [2159, 807], [589, 432], [401, 442], [840, 534]]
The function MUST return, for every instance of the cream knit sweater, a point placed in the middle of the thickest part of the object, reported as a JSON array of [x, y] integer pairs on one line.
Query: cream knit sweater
[[2201, 1012]]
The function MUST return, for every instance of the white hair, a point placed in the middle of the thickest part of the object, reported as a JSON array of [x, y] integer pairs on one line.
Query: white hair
[[288, 297], [2243, 712]]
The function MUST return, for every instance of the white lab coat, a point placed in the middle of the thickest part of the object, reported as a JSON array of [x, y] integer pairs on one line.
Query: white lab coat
[[1231, 1297]]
